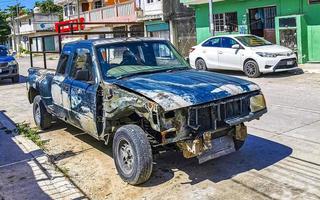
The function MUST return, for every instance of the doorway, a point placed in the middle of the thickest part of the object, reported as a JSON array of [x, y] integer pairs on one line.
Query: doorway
[[262, 22]]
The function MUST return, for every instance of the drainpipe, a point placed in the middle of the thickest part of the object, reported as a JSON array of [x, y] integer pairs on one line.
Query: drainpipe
[[211, 18]]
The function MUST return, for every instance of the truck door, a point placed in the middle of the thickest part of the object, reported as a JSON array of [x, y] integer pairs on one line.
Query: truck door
[[83, 91], [60, 87]]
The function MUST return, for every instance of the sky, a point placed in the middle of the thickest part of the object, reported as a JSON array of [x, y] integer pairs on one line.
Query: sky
[[27, 3]]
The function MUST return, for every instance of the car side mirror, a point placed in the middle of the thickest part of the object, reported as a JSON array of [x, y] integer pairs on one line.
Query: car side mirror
[[14, 53], [82, 75], [236, 46]]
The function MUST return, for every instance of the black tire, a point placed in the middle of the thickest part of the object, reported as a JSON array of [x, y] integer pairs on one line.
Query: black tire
[[15, 79], [132, 154], [238, 144], [201, 64], [41, 116], [251, 69]]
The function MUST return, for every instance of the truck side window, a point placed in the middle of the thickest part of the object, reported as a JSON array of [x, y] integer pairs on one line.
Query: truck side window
[[62, 65], [82, 60]]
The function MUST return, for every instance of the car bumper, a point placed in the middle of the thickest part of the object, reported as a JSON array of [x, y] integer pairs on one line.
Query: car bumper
[[8, 72], [279, 64]]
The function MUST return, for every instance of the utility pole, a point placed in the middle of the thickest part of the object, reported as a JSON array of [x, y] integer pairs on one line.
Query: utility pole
[[18, 28], [211, 18], [13, 26]]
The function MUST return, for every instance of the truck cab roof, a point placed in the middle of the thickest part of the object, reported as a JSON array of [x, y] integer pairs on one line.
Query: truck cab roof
[[96, 42]]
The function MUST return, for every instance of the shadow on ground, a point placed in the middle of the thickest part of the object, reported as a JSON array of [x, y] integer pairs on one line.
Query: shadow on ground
[[269, 75], [18, 177], [8, 81], [257, 153]]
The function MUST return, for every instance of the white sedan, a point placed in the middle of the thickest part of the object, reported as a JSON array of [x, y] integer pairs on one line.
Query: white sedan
[[248, 53]]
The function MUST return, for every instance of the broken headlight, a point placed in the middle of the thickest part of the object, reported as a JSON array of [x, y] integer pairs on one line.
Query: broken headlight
[[257, 103]]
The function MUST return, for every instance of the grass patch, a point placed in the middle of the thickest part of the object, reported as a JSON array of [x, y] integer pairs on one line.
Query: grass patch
[[30, 133]]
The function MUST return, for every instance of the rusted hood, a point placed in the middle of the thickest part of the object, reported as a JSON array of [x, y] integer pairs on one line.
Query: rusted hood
[[178, 89]]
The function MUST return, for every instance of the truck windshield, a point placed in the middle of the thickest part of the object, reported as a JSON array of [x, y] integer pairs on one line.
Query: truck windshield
[[132, 58], [3, 51], [253, 41]]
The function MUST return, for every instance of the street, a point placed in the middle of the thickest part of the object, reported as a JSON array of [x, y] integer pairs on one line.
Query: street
[[280, 159]]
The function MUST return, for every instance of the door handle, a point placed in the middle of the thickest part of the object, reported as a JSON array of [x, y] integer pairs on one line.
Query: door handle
[[220, 52]]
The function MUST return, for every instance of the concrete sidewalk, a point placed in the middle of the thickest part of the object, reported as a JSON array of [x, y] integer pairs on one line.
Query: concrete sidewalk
[[310, 67], [25, 171]]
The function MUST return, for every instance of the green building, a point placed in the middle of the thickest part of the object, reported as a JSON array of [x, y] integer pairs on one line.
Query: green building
[[291, 23]]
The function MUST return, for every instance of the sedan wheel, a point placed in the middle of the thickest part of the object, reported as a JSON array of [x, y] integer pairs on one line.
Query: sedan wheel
[[201, 64], [251, 69]]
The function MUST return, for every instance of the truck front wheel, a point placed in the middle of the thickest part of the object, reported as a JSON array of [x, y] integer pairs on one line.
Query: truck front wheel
[[132, 154], [40, 114]]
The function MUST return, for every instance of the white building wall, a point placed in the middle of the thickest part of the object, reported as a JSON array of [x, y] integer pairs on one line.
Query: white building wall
[[153, 9]]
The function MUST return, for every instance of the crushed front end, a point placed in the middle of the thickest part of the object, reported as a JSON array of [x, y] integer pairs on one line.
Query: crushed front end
[[214, 129]]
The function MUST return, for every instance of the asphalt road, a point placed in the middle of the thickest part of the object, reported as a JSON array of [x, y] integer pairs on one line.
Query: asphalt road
[[280, 160]]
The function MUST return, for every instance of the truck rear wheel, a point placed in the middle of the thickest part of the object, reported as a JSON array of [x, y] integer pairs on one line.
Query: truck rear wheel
[[40, 114], [132, 154]]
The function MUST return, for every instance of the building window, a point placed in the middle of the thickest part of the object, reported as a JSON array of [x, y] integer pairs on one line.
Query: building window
[[97, 4], [29, 21], [225, 22], [69, 10], [65, 9], [314, 1], [72, 9]]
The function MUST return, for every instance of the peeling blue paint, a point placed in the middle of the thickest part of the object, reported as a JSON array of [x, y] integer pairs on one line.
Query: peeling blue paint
[[190, 86]]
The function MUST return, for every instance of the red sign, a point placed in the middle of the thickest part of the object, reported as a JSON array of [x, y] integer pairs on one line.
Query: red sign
[[65, 26]]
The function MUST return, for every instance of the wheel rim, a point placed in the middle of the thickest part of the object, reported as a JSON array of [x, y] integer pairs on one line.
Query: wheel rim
[[250, 69], [37, 115], [126, 157], [200, 65]]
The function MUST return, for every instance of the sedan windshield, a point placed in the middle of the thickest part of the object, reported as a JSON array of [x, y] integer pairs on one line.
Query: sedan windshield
[[253, 41], [3, 51], [132, 58]]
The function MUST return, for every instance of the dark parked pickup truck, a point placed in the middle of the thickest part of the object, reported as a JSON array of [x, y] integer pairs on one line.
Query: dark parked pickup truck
[[141, 94]]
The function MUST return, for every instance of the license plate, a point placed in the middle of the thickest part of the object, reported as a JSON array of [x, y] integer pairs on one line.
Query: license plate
[[220, 147], [290, 62]]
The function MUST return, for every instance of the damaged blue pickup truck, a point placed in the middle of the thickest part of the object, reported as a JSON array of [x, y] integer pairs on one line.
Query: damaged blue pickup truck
[[142, 95]]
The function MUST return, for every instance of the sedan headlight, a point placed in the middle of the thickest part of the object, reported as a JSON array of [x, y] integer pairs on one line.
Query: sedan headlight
[[257, 103], [268, 55], [13, 62]]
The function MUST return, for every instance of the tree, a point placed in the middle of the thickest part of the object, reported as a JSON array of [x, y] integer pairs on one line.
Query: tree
[[48, 6], [4, 27], [12, 11]]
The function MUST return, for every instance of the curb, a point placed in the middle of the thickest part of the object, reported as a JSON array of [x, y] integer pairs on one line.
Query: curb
[[64, 187]]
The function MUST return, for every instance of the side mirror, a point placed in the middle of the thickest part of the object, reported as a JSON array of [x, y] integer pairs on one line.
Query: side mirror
[[236, 46], [82, 75], [187, 59], [14, 53]]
